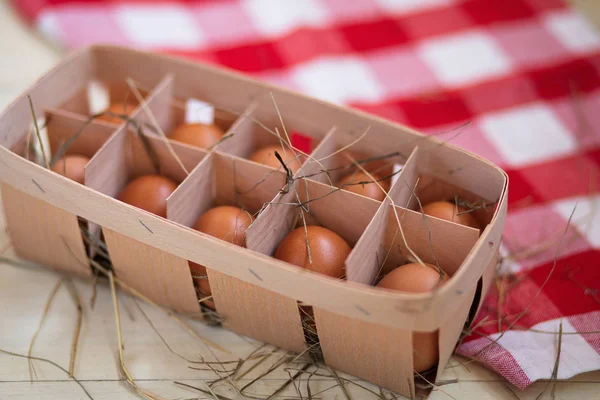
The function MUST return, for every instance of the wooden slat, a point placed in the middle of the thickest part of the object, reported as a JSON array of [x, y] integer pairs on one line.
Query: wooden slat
[[44, 233], [163, 277], [451, 330], [379, 354], [256, 312]]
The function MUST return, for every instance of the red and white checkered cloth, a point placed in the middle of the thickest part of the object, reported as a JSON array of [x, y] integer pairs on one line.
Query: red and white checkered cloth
[[526, 73]]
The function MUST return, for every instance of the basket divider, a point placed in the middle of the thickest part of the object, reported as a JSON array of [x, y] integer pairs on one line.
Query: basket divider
[[401, 191], [240, 140], [158, 103], [61, 125]]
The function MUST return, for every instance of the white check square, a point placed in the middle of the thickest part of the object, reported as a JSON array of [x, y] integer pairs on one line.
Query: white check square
[[338, 80], [400, 6], [156, 26], [527, 134], [276, 17], [573, 31], [464, 58]]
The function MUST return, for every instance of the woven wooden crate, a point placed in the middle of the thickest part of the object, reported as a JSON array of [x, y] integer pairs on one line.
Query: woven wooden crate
[[362, 330]]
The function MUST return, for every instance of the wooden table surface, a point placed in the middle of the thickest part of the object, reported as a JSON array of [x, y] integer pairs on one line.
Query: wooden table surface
[[24, 293]]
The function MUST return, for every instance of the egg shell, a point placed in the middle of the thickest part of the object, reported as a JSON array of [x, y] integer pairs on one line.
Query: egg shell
[[120, 108], [149, 192], [72, 166], [199, 135], [351, 183], [328, 250], [417, 278], [226, 223], [450, 212], [266, 156]]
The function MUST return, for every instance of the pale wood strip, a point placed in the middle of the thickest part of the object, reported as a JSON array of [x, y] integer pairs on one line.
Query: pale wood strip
[[163, 277], [378, 354], [44, 233]]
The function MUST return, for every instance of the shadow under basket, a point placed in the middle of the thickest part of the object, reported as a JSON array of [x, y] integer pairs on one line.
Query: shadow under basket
[[361, 329]]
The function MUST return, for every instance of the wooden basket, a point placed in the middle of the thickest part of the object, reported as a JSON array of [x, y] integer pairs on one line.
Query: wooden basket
[[362, 330]]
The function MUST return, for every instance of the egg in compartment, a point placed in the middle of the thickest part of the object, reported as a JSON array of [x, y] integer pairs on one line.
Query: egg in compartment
[[418, 278], [368, 185], [197, 134], [372, 179], [113, 113], [326, 252], [450, 211], [227, 223], [266, 156], [71, 166], [149, 192]]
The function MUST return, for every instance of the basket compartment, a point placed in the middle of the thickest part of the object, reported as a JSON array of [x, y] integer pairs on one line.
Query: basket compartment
[[96, 93], [163, 277], [350, 219], [337, 155], [244, 308]]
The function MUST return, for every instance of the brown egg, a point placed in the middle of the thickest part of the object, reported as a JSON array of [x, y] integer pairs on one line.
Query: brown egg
[[72, 166], [118, 108], [266, 156], [328, 250], [416, 278], [149, 192], [450, 212], [226, 223], [199, 135], [352, 184]]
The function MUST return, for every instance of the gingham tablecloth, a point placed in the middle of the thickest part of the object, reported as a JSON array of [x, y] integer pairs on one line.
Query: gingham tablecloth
[[524, 72]]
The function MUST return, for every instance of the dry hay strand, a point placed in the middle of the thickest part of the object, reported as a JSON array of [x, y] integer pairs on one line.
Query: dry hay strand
[[124, 371], [75, 343], [554, 376], [29, 357], [47, 306], [37, 132], [433, 386]]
